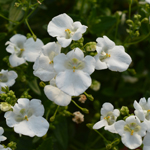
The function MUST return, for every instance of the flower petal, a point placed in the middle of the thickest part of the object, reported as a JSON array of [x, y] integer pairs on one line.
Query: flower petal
[[106, 108], [111, 128], [56, 95], [119, 126], [100, 124], [63, 41]]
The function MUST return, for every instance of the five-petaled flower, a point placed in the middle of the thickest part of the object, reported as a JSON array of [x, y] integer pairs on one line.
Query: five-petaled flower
[[26, 118], [63, 27]]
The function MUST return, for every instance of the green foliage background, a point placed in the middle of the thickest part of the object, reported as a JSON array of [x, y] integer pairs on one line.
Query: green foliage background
[[101, 17]]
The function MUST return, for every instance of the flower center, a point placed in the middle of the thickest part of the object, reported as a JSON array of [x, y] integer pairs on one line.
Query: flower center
[[147, 116], [110, 118], [69, 33], [103, 56], [75, 64], [3, 78], [132, 127]]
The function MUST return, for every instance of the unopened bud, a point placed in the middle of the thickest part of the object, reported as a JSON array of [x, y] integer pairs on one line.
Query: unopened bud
[[145, 20], [137, 33], [108, 146], [129, 22], [12, 145], [124, 110], [4, 106], [95, 85], [89, 125], [67, 113], [52, 119], [29, 35], [91, 46], [34, 37], [89, 96], [86, 111], [17, 4], [81, 40], [42, 84]]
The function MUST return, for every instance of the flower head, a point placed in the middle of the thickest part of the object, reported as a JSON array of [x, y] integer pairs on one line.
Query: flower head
[[73, 71], [78, 117], [26, 118], [54, 94], [43, 66], [23, 49], [108, 118], [63, 27], [111, 56], [2, 138], [7, 78], [131, 131]]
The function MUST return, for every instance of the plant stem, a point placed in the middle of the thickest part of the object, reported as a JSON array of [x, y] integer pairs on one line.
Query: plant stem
[[77, 105], [8, 19], [101, 135], [56, 111], [130, 8]]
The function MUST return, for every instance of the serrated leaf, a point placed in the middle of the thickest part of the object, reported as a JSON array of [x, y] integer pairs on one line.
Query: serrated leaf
[[47, 144]]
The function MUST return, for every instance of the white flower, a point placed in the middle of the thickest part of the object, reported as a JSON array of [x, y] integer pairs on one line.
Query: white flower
[[23, 49], [131, 131], [108, 118], [2, 148], [148, 1], [63, 27], [2, 138], [73, 72], [56, 95], [146, 141], [26, 118], [43, 66], [143, 111], [111, 56], [7, 78]]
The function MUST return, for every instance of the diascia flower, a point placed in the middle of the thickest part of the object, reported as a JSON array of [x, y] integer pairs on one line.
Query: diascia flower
[[43, 66], [73, 71], [63, 27], [111, 56], [131, 131], [7, 78], [2, 138], [23, 49], [54, 94], [108, 118], [26, 118]]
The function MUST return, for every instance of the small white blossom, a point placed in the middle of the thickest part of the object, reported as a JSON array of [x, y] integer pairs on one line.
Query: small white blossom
[[23, 49], [26, 118], [73, 71], [78, 117], [54, 94], [2, 138], [131, 131], [43, 66], [7, 78], [2, 148], [108, 118], [111, 56], [146, 141], [63, 27], [82, 98]]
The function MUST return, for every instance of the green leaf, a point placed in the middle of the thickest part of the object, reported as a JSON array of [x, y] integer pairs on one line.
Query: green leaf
[[47, 144], [15, 13], [61, 133], [34, 86]]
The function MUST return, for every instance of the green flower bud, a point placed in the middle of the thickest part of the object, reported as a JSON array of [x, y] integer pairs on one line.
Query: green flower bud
[[4, 106], [28, 35], [42, 84], [89, 125], [108, 146], [97, 116], [8, 99], [17, 4], [52, 119], [129, 22], [95, 85], [67, 113], [145, 20], [34, 37], [89, 96], [86, 111], [124, 111], [137, 33], [12, 145], [81, 40], [91, 46]]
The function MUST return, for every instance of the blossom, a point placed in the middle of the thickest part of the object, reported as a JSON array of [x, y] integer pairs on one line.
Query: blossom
[[23, 49], [7, 78], [2, 148], [111, 56], [131, 131], [82, 98], [54, 94], [73, 71], [148, 1], [43, 66], [63, 27], [146, 143], [26, 118], [78, 117], [108, 118], [2, 138]]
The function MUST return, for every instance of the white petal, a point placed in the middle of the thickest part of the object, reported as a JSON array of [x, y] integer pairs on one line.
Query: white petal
[[63, 41], [143, 129], [73, 83], [100, 124], [131, 141], [56, 95], [18, 39], [32, 49], [131, 119], [111, 128], [76, 53], [99, 65], [140, 114], [106, 108], [38, 108], [12, 75], [116, 112], [146, 141], [89, 64], [23, 102], [57, 26], [2, 138], [119, 60], [1, 130], [119, 126], [108, 43], [137, 106], [146, 147], [15, 60]]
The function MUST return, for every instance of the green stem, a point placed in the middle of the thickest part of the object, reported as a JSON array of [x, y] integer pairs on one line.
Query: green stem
[[116, 32], [83, 1], [138, 40], [130, 8], [29, 27], [101, 136], [56, 111], [8, 19], [77, 105]]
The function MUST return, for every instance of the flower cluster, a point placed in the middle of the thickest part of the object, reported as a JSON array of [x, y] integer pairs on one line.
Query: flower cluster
[[133, 128]]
